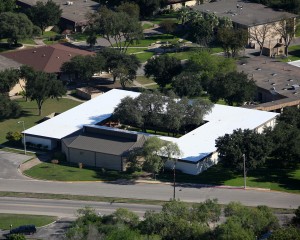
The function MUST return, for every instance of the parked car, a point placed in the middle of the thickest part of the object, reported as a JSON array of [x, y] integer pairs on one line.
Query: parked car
[[25, 229]]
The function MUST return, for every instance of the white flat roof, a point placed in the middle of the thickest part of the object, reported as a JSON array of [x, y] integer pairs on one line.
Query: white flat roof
[[90, 112], [295, 63], [194, 145]]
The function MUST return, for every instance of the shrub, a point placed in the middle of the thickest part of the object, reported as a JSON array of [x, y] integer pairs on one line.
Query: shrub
[[14, 136]]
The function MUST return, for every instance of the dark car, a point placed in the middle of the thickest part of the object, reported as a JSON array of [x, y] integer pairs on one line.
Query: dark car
[[25, 229]]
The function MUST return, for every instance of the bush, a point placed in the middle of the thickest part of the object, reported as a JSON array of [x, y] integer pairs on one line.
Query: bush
[[16, 237], [14, 136]]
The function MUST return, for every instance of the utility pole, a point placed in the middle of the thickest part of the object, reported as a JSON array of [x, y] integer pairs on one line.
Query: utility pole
[[174, 182], [244, 163]]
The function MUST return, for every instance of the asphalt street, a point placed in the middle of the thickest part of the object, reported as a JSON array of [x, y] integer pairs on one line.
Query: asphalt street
[[142, 190], [66, 208]]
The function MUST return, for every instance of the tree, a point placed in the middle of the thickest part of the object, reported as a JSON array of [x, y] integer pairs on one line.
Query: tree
[[206, 212], [7, 6], [232, 40], [43, 86], [26, 73], [234, 87], [286, 28], [286, 148], [9, 108], [149, 7], [259, 34], [187, 84], [151, 149], [13, 136], [233, 230], [202, 28], [163, 69], [120, 65], [168, 25], [132, 9], [285, 233], [231, 148], [45, 14], [117, 26], [15, 26], [8, 79], [296, 218], [209, 66], [195, 112], [183, 14], [83, 67]]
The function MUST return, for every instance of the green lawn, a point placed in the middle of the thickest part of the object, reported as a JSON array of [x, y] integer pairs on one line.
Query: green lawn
[[21, 219], [49, 34], [276, 179], [155, 38], [28, 41], [159, 18], [144, 80], [143, 57], [147, 25], [294, 54], [30, 114], [66, 172]]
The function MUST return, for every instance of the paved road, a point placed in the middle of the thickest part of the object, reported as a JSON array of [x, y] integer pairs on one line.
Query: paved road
[[9, 163], [65, 208], [16, 183]]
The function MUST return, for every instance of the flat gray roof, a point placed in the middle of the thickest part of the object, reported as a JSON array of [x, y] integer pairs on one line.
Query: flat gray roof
[[76, 12], [271, 74], [6, 63], [242, 12]]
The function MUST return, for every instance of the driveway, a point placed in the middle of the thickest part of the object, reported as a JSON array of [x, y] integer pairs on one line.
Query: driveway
[[9, 163]]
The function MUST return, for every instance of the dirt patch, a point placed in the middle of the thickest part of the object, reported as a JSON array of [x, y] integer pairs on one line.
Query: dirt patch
[[29, 164]]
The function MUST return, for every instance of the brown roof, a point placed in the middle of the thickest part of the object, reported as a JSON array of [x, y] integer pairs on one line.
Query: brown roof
[[46, 58]]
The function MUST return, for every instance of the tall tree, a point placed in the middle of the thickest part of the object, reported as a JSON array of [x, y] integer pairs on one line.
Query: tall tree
[[43, 86], [163, 69], [232, 40], [286, 28], [259, 34], [116, 27], [153, 161], [8, 79], [15, 26], [7, 6], [84, 67], [8, 108], [45, 14], [231, 148], [234, 87], [187, 84]]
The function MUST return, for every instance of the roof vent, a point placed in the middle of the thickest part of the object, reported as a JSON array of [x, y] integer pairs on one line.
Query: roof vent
[[34, 51], [70, 54], [273, 84], [290, 80], [274, 74], [57, 57], [44, 55], [258, 69]]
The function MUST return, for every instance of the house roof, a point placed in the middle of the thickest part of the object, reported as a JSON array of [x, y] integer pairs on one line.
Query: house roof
[[195, 145], [46, 58], [102, 139], [6, 63], [76, 12], [243, 12]]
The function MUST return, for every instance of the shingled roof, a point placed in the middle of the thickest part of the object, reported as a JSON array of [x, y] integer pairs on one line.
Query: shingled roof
[[244, 12], [46, 58], [6, 63]]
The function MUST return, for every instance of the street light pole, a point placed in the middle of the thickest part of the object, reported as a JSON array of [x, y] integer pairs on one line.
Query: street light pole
[[244, 163], [24, 141], [174, 182]]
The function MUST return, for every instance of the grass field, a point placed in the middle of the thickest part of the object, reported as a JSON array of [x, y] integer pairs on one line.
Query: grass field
[[159, 18], [155, 38], [294, 54], [21, 219], [287, 180], [30, 114], [144, 80], [143, 57], [275, 179], [66, 172]]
